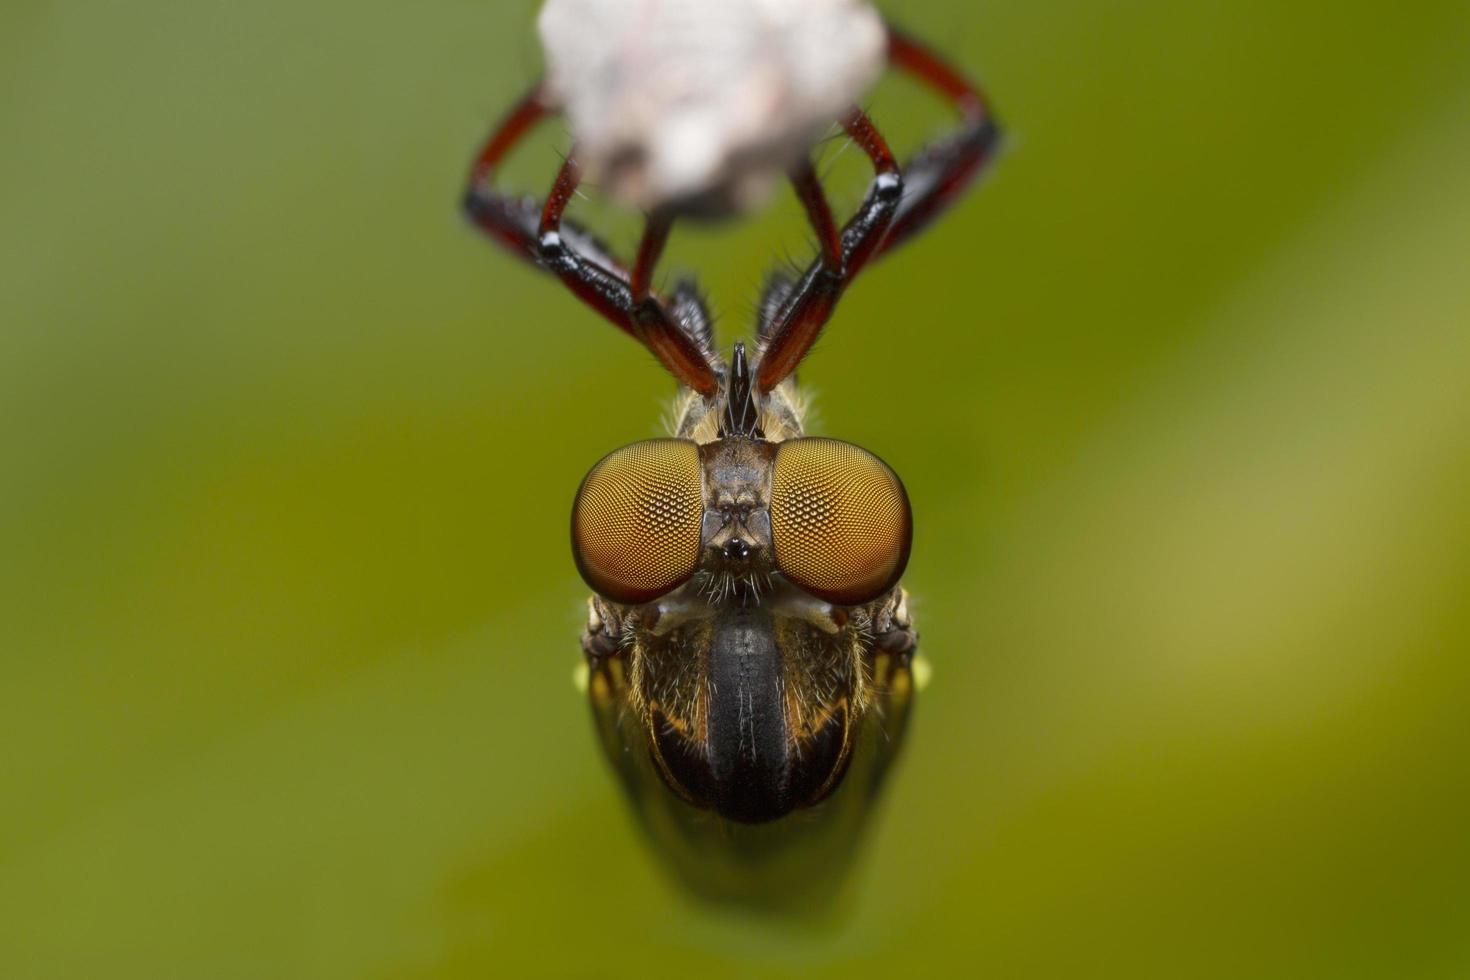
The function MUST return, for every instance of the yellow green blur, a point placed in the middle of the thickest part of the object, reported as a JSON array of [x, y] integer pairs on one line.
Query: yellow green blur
[[1181, 396]]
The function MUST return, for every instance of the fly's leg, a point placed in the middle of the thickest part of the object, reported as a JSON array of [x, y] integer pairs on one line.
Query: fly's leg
[[587, 267], [893, 628], [936, 177], [813, 199], [809, 304], [626, 300], [603, 635], [514, 220], [898, 205]]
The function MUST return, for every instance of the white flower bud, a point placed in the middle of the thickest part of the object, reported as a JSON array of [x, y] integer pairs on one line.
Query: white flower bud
[[704, 104]]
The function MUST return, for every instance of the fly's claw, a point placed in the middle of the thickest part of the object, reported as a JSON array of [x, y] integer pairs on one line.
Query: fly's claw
[[603, 636], [898, 635]]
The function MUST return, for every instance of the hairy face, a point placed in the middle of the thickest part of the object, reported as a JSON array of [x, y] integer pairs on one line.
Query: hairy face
[[737, 557]]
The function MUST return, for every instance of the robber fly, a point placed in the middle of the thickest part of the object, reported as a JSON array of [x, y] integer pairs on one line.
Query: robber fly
[[749, 645]]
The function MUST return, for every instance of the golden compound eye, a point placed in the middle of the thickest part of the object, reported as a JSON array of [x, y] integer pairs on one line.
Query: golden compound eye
[[635, 523], [840, 520]]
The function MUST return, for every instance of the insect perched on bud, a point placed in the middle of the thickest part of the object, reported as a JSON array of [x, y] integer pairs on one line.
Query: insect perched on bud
[[748, 645]]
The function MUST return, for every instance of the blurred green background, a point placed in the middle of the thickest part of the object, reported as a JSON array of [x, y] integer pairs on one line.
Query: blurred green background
[[287, 618]]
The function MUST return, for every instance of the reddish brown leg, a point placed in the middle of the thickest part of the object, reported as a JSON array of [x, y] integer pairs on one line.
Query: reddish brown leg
[[936, 177], [913, 56], [655, 237], [584, 265], [520, 120], [819, 213], [810, 303], [593, 281], [514, 220], [896, 208], [567, 180], [864, 234], [609, 290], [507, 220]]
